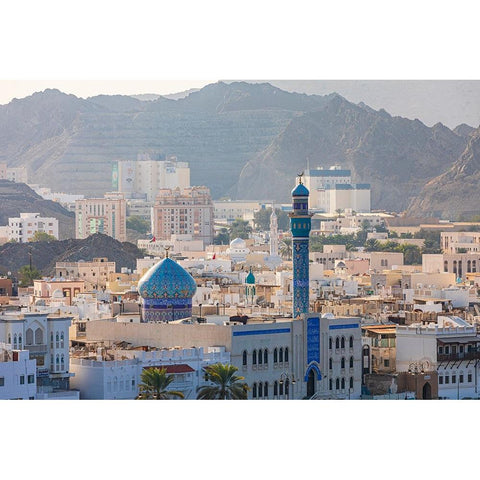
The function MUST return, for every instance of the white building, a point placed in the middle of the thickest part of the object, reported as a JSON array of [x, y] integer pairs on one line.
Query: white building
[[444, 353], [17, 374], [332, 189], [23, 228], [46, 337], [145, 177], [238, 250], [227, 211], [14, 174]]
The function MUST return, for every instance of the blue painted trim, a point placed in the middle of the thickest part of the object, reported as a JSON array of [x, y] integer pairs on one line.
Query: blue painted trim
[[341, 327], [313, 366], [261, 332]]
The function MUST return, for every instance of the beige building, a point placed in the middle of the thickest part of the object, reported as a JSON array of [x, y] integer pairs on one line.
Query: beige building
[[460, 242], [188, 211], [14, 174], [101, 215], [461, 264], [95, 273]]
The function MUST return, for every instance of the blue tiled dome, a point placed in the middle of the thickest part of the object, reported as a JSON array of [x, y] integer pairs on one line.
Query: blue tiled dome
[[300, 191], [167, 279]]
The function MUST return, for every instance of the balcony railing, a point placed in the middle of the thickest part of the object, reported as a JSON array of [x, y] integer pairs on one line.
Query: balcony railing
[[36, 348], [452, 357]]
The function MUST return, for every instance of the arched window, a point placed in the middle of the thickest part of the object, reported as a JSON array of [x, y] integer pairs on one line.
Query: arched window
[[38, 336], [244, 357], [445, 266], [351, 382], [20, 341], [260, 389], [9, 338], [14, 340], [254, 390], [57, 340], [337, 384], [265, 389], [281, 388], [29, 337], [330, 343], [275, 388], [121, 384], [254, 357], [337, 343], [63, 362], [474, 266], [287, 386], [265, 356], [469, 266], [51, 339], [280, 356], [350, 342], [454, 266], [342, 363], [275, 355], [286, 354], [62, 338], [52, 363], [57, 363], [343, 383], [330, 384], [351, 362], [330, 363], [343, 342], [115, 384], [260, 357]]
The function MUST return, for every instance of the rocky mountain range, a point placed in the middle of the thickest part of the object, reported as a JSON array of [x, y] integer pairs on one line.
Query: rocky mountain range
[[245, 141]]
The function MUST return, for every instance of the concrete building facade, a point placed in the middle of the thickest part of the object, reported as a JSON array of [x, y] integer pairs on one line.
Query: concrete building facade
[[22, 229]]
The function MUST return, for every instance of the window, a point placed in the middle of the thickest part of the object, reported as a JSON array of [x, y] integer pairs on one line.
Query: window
[[351, 362], [337, 343], [244, 357], [469, 378], [2, 381], [343, 383], [260, 357], [447, 379], [287, 386], [330, 384], [460, 378], [22, 379], [62, 338], [15, 341], [447, 350], [337, 384], [281, 388], [254, 390], [351, 383], [20, 341], [38, 336], [275, 388], [330, 343], [342, 363], [350, 342], [31, 379], [254, 357], [454, 378], [286, 354], [265, 389], [386, 363], [440, 350], [330, 363], [51, 339], [280, 356], [343, 342], [440, 380], [57, 339], [260, 390]]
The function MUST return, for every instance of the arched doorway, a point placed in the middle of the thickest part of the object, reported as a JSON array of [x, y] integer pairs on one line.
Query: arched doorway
[[427, 391], [311, 383]]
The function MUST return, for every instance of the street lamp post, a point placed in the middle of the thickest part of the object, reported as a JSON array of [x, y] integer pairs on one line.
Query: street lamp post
[[285, 378], [416, 369]]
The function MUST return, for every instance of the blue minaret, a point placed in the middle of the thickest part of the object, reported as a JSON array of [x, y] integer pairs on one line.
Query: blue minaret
[[300, 225]]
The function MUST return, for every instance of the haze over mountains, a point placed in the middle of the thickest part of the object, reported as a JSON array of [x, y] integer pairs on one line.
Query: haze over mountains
[[242, 140]]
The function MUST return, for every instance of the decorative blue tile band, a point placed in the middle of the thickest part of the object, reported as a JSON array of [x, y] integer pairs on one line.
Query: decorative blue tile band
[[341, 327], [261, 332]]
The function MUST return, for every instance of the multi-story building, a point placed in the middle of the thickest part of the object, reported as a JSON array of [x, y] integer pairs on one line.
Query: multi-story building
[[22, 229], [142, 179], [379, 345], [14, 174], [332, 190], [461, 264], [18, 375], [227, 211], [101, 215], [187, 211], [460, 242], [46, 337], [440, 359], [94, 273]]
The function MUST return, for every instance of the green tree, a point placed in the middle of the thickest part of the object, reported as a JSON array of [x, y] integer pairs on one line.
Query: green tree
[[240, 229], [154, 386], [222, 237], [42, 237], [285, 248], [261, 219], [28, 275], [138, 224], [372, 245], [227, 385]]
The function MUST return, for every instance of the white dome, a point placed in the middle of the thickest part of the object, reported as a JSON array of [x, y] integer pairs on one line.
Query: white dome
[[238, 243], [57, 293]]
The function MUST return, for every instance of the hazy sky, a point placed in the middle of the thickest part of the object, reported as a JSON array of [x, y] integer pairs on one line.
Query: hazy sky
[[10, 89]]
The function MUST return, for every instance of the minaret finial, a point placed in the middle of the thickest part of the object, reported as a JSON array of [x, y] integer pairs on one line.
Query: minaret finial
[[167, 248], [300, 175]]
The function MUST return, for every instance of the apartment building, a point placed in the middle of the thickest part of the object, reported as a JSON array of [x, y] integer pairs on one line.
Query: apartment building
[[22, 229]]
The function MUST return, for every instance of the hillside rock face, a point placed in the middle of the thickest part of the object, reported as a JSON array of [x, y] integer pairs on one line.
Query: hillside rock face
[[247, 141], [45, 254], [395, 155], [454, 193], [16, 198]]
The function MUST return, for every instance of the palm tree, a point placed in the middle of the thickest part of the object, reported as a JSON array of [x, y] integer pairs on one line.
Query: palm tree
[[154, 386], [228, 385], [286, 248]]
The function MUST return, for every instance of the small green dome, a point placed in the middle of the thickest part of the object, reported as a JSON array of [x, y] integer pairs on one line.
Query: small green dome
[[250, 278]]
